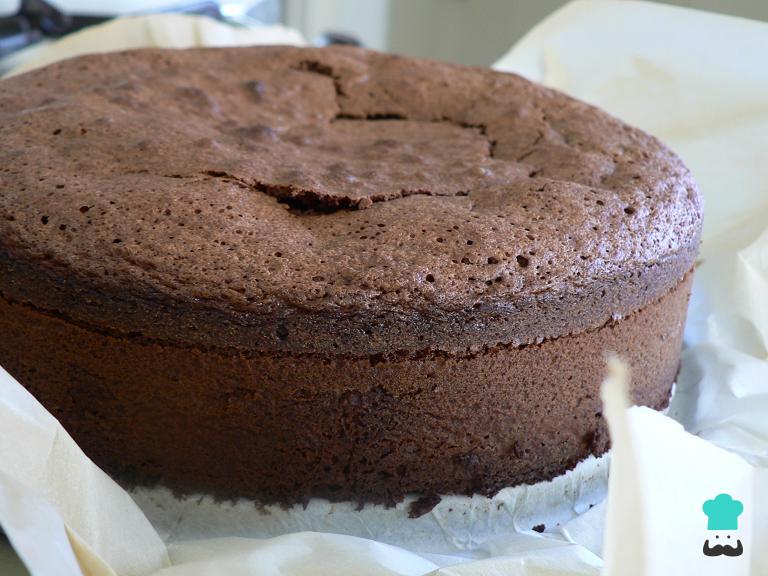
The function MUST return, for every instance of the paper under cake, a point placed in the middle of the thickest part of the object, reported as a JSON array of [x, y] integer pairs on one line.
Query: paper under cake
[[283, 273]]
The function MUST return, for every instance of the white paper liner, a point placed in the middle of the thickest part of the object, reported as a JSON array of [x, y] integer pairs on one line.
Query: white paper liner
[[457, 523]]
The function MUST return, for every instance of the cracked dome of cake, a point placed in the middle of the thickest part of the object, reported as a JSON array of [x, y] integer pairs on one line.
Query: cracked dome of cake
[[283, 273]]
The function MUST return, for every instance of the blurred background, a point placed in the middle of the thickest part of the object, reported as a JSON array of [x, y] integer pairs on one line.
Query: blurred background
[[464, 31]]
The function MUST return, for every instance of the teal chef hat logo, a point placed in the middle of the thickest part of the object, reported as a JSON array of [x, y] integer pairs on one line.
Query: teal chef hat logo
[[723, 512]]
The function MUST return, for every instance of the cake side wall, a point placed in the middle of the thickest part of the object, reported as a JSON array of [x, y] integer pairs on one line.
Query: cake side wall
[[283, 428]]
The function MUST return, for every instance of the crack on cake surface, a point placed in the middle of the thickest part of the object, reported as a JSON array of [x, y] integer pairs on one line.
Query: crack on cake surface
[[482, 129], [317, 67], [303, 200]]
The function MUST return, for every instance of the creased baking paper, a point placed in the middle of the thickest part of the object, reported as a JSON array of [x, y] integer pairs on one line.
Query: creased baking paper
[[697, 81], [164, 30]]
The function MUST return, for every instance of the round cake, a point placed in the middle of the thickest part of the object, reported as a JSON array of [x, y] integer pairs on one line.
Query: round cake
[[283, 273]]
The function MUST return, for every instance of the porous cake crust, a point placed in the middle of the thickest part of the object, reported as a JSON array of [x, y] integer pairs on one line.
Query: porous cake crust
[[332, 272]]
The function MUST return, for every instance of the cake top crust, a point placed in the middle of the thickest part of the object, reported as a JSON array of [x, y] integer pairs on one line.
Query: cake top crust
[[334, 199]]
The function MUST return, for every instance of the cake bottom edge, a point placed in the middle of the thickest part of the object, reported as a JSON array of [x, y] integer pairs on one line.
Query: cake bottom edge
[[456, 523]]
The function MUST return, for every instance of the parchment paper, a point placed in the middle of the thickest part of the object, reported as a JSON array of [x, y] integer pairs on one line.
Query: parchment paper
[[700, 83], [165, 30]]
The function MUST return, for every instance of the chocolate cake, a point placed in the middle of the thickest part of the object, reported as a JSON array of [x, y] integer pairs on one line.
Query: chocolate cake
[[282, 273]]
